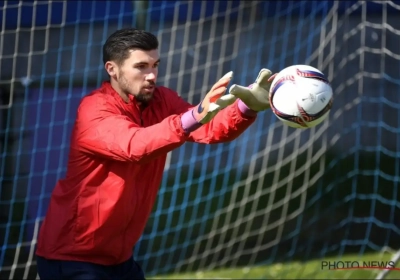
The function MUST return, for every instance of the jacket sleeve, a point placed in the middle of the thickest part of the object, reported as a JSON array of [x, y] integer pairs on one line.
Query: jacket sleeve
[[226, 126], [101, 130]]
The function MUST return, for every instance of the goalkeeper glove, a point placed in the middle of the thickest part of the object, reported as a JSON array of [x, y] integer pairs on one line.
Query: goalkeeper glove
[[256, 96], [214, 101]]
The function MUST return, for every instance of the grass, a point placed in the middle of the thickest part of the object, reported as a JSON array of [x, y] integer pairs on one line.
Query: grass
[[295, 270]]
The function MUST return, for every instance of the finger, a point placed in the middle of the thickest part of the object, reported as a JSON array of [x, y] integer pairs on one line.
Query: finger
[[228, 75], [239, 91], [224, 81], [226, 100], [217, 93], [263, 76], [221, 83]]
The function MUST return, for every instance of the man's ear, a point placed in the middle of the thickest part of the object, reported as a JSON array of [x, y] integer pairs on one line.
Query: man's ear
[[111, 68]]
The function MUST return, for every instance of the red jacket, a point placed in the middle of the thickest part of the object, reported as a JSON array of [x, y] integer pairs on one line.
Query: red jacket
[[116, 162]]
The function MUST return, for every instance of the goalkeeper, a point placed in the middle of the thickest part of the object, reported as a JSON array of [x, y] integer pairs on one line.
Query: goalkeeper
[[121, 136]]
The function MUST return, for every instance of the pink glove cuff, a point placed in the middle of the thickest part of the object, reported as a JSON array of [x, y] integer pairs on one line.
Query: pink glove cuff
[[189, 122], [246, 110]]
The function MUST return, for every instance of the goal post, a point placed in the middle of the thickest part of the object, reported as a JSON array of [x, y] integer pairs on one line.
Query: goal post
[[141, 8]]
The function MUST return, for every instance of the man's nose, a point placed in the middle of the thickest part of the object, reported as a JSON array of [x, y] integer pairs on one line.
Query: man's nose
[[151, 76]]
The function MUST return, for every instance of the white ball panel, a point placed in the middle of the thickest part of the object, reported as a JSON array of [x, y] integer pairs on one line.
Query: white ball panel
[[285, 100], [315, 96]]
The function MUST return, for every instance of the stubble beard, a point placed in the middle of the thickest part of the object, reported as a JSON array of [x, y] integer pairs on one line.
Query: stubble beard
[[142, 97]]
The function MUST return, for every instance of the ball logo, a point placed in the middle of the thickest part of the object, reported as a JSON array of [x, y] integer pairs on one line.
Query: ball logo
[[309, 97], [288, 78], [312, 75]]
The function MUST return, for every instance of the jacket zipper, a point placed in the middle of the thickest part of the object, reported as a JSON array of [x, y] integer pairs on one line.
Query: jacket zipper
[[141, 119], [140, 115]]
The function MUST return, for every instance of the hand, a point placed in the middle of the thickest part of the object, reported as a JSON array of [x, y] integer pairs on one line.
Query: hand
[[256, 96], [214, 101]]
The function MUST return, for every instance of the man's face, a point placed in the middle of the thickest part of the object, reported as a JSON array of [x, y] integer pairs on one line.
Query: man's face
[[138, 74]]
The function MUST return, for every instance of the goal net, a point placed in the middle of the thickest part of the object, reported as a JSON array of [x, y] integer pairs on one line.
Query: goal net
[[274, 203]]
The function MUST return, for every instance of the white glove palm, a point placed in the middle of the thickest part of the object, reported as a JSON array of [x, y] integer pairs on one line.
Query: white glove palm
[[256, 96]]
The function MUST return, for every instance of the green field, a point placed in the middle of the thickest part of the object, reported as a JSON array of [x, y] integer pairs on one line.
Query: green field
[[295, 270]]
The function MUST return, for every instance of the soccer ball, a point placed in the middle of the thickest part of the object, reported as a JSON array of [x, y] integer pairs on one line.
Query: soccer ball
[[301, 96]]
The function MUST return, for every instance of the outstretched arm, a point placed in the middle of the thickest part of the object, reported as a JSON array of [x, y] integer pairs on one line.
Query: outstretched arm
[[229, 124], [234, 119], [226, 126]]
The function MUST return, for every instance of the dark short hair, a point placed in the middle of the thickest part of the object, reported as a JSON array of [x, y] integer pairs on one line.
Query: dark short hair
[[118, 45]]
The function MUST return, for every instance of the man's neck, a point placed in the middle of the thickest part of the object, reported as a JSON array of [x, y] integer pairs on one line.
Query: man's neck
[[124, 96]]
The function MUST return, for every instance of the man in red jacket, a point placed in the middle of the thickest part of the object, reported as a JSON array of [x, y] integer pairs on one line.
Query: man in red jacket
[[122, 134]]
